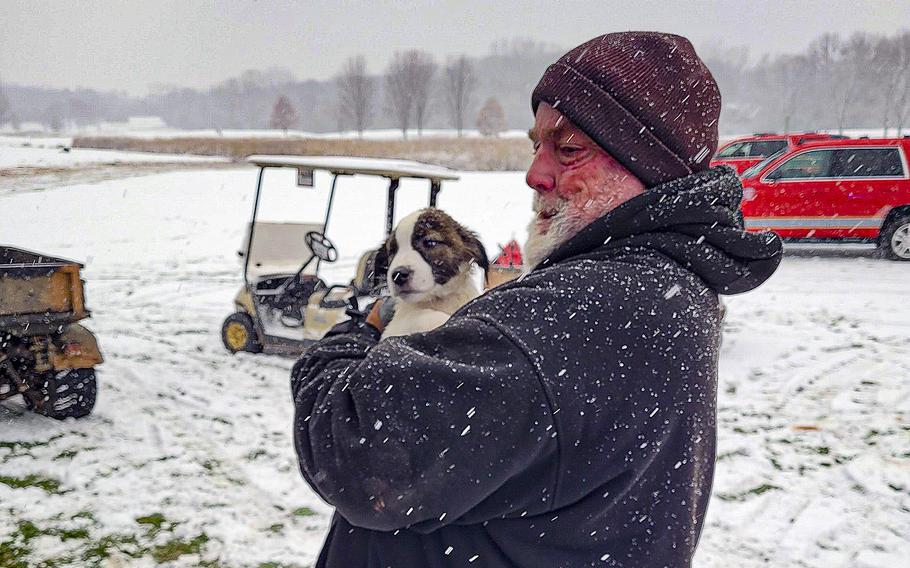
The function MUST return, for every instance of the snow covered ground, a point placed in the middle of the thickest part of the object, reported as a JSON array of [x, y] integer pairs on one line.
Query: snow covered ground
[[55, 152], [188, 458], [38, 163]]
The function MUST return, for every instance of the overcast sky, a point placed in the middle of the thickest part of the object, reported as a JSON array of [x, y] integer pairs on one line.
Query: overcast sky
[[133, 45]]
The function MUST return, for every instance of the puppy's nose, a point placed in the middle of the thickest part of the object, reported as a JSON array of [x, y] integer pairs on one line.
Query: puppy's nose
[[401, 275]]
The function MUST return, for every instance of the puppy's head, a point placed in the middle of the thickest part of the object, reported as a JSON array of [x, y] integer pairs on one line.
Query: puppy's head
[[426, 251]]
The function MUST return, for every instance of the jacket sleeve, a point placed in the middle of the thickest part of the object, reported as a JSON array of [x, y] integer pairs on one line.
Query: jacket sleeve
[[418, 431]]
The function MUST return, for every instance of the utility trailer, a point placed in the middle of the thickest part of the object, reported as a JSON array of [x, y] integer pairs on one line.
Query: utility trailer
[[45, 356]]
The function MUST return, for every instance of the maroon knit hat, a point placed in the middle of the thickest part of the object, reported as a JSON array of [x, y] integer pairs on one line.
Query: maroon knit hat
[[644, 97]]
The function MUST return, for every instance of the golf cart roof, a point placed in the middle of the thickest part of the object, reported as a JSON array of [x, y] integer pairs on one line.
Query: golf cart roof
[[340, 165]]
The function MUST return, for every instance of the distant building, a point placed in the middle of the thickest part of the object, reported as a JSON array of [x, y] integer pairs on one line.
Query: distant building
[[145, 123], [133, 124]]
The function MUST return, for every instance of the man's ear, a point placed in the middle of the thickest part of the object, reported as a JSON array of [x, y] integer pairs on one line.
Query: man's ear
[[478, 253]]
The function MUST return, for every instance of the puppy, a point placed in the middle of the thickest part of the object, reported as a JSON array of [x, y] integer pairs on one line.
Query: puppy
[[429, 270]]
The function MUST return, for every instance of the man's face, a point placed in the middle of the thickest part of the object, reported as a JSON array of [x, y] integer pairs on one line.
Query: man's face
[[576, 182]]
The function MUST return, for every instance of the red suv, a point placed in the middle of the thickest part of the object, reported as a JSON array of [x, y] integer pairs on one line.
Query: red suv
[[743, 153], [835, 189]]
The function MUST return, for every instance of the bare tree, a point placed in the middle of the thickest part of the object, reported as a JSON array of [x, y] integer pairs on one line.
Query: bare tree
[[408, 81], [355, 94], [398, 91], [491, 120], [424, 68], [284, 115], [902, 106], [894, 69], [6, 110], [824, 57], [791, 74], [856, 58], [460, 82]]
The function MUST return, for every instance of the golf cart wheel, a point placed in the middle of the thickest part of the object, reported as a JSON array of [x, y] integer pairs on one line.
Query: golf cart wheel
[[239, 334], [70, 393], [895, 239]]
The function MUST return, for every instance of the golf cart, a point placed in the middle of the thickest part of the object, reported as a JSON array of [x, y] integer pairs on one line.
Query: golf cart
[[284, 305], [45, 355]]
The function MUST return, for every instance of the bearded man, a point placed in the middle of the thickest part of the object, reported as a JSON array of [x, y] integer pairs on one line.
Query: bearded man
[[566, 419]]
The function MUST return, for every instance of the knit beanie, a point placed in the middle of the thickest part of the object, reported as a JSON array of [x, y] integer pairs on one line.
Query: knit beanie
[[644, 97]]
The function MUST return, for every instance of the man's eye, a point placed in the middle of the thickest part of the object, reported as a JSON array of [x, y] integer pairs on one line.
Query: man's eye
[[570, 150], [430, 243], [535, 147]]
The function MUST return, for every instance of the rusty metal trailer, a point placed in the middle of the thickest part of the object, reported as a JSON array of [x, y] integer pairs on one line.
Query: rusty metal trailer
[[45, 355]]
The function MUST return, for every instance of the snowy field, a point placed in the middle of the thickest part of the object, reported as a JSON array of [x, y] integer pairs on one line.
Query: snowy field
[[188, 459], [38, 163], [55, 152]]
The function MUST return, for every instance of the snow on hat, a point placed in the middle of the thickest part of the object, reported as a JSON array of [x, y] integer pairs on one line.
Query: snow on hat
[[644, 97]]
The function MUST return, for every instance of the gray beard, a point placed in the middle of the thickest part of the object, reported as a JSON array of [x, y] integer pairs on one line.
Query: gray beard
[[539, 246]]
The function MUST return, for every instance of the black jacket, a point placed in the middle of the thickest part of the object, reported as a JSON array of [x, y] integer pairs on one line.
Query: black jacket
[[563, 420]]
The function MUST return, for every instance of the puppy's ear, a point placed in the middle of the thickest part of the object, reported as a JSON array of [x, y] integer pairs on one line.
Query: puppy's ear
[[478, 253], [381, 264]]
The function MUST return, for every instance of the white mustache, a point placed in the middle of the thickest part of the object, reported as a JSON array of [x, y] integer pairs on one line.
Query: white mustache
[[557, 207]]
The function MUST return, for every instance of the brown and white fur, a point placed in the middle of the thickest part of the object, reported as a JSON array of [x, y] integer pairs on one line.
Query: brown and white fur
[[430, 257]]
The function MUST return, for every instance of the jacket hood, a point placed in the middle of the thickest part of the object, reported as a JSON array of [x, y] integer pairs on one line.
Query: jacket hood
[[696, 221]]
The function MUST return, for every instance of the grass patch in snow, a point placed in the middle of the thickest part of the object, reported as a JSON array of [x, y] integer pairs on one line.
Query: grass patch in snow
[[304, 512], [105, 546], [276, 528], [761, 489], [16, 445], [174, 549], [155, 522], [732, 454], [66, 455], [17, 549], [16, 449], [49, 485]]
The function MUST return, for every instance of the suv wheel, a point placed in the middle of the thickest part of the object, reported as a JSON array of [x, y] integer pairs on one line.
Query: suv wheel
[[895, 239], [64, 394]]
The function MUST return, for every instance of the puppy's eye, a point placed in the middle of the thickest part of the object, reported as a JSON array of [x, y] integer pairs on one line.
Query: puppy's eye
[[430, 243]]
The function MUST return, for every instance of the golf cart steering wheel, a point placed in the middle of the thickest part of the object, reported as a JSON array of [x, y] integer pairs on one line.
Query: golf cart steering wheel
[[321, 246]]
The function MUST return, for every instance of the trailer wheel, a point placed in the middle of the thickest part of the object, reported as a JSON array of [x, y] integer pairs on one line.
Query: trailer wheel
[[239, 334], [70, 393], [895, 239]]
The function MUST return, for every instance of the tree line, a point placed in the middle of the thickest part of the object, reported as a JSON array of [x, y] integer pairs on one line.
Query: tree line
[[838, 82], [861, 80]]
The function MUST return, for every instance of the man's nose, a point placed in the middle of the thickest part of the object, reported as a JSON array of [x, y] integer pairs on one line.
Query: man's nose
[[400, 275], [541, 175]]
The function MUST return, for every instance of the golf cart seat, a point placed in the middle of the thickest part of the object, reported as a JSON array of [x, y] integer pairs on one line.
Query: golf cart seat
[[278, 249], [370, 273]]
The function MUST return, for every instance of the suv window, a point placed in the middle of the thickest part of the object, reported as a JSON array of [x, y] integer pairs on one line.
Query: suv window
[[764, 148], [757, 168], [738, 150], [814, 164], [752, 149], [867, 162]]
